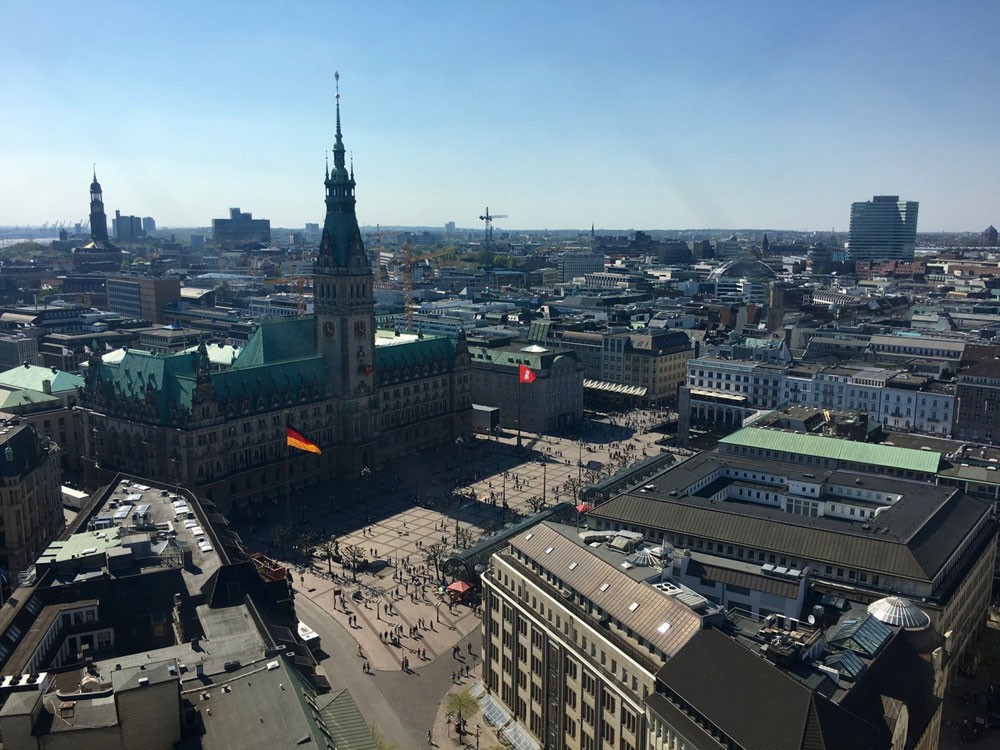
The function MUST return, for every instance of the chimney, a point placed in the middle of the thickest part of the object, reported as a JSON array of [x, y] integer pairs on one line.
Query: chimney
[[47, 387]]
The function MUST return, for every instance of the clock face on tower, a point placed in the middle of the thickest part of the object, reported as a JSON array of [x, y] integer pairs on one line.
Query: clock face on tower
[[328, 329], [360, 329]]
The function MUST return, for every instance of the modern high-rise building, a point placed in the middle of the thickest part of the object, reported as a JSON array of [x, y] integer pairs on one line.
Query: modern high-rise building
[[884, 228], [148, 224], [241, 229], [127, 228]]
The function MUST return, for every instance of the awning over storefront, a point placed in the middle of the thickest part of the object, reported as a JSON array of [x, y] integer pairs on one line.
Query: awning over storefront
[[625, 390]]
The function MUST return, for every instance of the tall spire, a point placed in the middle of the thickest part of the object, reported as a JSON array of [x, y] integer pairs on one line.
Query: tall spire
[[338, 144], [326, 160], [341, 245]]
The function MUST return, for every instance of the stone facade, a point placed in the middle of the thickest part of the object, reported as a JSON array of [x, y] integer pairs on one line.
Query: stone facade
[[30, 500], [221, 429]]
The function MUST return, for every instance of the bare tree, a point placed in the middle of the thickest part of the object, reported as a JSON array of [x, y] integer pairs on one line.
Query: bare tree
[[353, 557], [432, 556], [572, 488], [281, 536], [327, 549], [535, 503], [463, 537]]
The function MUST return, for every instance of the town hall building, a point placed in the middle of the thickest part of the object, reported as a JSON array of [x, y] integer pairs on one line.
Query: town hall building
[[217, 426]]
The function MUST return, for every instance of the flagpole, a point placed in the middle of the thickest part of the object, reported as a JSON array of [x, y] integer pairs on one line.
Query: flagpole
[[519, 410], [288, 484]]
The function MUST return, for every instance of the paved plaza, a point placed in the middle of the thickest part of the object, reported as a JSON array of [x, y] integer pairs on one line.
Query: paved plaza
[[393, 613]]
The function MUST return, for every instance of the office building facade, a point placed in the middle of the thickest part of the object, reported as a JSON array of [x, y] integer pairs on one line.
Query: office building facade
[[142, 298], [884, 228], [241, 229]]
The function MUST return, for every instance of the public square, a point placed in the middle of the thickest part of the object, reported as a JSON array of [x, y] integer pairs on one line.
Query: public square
[[392, 613]]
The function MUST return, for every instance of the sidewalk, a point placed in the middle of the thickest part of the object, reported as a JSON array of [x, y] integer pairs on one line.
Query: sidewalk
[[444, 735], [437, 629]]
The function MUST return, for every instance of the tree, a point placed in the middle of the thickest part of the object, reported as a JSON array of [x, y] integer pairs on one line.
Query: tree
[[281, 536], [328, 548], [535, 503], [432, 556], [353, 557], [463, 537], [572, 488], [306, 541], [460, 704]]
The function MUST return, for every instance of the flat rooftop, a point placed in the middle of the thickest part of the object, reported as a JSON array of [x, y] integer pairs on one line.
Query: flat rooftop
[[912, 538], [158, 525]]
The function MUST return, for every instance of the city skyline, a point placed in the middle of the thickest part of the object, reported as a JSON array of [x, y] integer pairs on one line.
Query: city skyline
[[646, 117]]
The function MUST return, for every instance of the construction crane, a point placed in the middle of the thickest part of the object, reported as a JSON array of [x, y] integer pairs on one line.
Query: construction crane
[[488, 218], [299, 284]]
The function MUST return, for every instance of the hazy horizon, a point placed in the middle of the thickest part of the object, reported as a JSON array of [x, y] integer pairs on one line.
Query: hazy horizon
[[639, 115]]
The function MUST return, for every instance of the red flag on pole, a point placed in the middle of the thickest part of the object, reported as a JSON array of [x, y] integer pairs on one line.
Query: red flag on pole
[[526, 375]]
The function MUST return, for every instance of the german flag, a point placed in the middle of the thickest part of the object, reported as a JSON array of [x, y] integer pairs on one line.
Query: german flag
[[296, 439]]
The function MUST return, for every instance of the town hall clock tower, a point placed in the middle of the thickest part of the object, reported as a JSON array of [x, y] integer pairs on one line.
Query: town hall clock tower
[[344, 305]]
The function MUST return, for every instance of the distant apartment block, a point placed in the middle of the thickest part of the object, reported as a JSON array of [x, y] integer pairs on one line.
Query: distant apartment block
[[148, 224], [241, 229], [16, 350], [142, 298], [127, 228], [884, 228], [572, 265]]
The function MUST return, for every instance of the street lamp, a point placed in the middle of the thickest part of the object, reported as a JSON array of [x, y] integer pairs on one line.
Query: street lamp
[[365, 474]]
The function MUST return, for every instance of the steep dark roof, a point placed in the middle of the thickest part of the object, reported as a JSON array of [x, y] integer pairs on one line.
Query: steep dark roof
[[899, 675], [756, 704]]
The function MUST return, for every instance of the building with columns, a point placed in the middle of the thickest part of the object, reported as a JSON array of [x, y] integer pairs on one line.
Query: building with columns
[[220, 429]]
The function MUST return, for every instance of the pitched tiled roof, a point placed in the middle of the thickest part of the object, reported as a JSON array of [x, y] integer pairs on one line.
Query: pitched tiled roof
[[660, 619]]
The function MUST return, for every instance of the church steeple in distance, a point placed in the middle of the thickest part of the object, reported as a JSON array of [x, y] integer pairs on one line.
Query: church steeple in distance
[[98, 219], [341, 247]]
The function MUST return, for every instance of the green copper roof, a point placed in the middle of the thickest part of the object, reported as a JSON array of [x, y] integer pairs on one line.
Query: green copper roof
[[16, 398], [277, 341], [32, 376], [391, 361], [835, 448], [170, 378]]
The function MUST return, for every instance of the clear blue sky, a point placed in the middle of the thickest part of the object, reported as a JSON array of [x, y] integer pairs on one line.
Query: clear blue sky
[[627, 115]]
